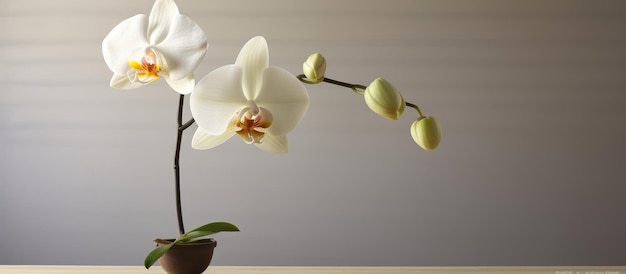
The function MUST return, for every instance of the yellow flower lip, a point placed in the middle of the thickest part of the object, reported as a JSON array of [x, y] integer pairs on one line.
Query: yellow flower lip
[[382, 98], [147, 70], [251, 123], [426, 132]]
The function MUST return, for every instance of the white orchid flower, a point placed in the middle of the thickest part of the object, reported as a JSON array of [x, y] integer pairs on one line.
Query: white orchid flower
[[165, 44], [259, 103]]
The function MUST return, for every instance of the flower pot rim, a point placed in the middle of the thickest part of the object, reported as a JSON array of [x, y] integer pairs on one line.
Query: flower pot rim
[[203, 241]]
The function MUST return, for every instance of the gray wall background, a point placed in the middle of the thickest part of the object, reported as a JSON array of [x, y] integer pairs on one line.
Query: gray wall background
[[530, 96]]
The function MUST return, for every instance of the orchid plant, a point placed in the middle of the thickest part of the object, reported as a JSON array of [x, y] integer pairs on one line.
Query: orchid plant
[[258, 102]]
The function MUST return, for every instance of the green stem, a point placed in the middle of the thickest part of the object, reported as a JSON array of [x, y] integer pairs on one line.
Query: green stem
[[415, 107], [358, 89]]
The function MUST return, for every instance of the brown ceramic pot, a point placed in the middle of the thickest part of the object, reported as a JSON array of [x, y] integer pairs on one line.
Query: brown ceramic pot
[[187, 258]]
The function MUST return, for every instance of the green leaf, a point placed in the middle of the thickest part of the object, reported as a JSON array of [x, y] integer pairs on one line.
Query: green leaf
[[187, 237], [206, 230], [155, 254], [216, 227]]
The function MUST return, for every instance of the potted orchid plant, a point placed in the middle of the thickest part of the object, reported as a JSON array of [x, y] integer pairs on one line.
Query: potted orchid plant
[[258, 102]]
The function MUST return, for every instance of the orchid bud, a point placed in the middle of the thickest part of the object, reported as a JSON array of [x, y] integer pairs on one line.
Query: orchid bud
[[426, 132], [384, 99], [314, 67]]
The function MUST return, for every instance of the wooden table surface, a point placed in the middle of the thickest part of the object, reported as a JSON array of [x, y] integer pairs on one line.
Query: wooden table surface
[[43, 269]]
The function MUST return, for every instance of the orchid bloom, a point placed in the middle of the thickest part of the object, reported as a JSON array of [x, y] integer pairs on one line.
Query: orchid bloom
[[165, 44], [259, 103]]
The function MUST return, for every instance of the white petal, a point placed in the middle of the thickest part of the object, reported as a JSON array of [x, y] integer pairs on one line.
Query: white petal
[[274, 144], [161, 16], [182, 86], [285, 97], [184, 47], [127, 36], [203, 140], [253, 58], [121, 81], [216, 98]]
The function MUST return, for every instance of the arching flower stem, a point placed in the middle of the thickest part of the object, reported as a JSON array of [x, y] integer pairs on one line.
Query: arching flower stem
[[179, 138], [411, 105], [358, 89]]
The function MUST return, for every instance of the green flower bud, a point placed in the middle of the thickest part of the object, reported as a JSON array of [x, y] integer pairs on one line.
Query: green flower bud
[[384, 99], [314, 67], [426, 132]]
